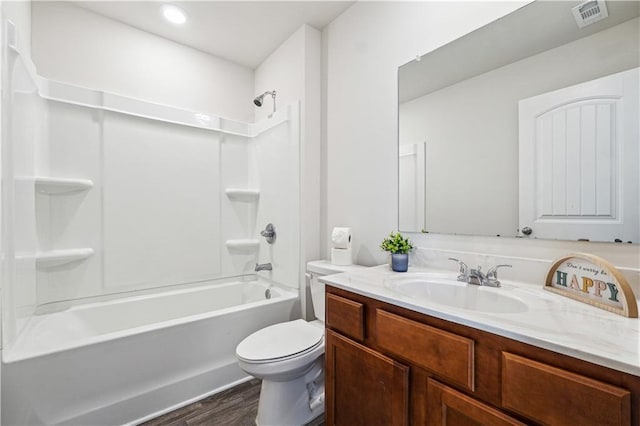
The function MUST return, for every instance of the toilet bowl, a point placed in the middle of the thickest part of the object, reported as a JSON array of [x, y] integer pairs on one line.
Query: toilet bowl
[[289, 358], [282, 351]]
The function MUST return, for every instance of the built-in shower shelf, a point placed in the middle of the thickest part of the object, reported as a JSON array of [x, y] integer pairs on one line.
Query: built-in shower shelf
[[53, 258], [244, 246], [246, 195], [51, 185]]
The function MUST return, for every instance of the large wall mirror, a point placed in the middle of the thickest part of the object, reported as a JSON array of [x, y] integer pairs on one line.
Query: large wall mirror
[[527, 127]]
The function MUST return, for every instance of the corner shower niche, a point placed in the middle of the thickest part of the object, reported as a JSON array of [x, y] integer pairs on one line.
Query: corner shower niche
[[244, 202], [109, 195], [47, 255], [52, 195]]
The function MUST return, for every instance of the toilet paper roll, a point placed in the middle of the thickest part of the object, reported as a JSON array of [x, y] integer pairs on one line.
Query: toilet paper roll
[[341, 257], [341, 238]]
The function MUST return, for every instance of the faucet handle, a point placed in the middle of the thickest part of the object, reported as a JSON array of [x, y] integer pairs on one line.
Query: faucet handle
[[492, 275], [464, 269], [493, 272], [269, 232]]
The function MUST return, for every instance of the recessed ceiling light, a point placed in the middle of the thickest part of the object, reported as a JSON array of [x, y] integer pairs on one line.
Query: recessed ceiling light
[[174, 14]]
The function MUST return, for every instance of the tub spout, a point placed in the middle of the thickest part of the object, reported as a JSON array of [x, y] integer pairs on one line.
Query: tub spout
[[263, 267]]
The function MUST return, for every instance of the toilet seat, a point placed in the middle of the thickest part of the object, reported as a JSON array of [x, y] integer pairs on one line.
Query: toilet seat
[[280, 342]]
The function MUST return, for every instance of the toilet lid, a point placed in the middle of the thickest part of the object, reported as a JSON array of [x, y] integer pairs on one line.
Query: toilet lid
[[280, 341]]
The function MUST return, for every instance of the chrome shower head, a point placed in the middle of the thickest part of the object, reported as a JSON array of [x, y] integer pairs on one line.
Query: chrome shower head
[[258, 101]]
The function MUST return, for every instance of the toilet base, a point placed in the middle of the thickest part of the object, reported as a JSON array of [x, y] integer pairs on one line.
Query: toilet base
[[288, 403]]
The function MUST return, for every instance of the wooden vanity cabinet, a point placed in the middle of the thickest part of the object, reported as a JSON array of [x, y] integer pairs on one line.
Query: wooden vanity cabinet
[[387, 365], [364, 386]]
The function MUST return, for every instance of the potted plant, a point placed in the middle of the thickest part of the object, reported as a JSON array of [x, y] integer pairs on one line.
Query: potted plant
[[399, 247]]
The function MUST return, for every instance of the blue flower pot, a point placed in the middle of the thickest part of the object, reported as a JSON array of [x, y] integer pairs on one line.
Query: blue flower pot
[[400, 262]]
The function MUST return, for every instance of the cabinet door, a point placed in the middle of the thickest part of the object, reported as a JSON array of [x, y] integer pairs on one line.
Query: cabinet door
[[446, 406], [553, 396], [363, 387]]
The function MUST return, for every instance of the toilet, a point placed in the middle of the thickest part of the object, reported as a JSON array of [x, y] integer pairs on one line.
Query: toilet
[[289, 358]]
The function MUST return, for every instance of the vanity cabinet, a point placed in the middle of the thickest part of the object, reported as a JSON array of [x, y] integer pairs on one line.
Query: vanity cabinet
[[386, 365], [365, 386]]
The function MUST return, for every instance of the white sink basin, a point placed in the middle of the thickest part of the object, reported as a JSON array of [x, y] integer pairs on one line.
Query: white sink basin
[[445, 290]]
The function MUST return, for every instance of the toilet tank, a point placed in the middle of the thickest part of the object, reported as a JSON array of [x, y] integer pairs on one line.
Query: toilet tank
[[320, 268]]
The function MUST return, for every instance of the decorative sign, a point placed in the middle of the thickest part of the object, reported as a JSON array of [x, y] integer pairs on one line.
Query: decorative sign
[[593, 280]]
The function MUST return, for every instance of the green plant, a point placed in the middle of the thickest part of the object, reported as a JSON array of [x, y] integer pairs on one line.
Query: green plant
[[396, 243]]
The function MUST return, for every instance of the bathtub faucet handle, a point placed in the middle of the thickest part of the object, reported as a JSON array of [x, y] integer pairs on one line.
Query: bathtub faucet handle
[[269, 233]]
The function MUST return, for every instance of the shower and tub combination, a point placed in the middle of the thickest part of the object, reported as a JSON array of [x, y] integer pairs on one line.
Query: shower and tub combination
[[131, 235]]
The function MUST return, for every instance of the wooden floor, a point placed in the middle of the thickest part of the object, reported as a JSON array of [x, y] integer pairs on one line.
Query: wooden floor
[[237, 406]]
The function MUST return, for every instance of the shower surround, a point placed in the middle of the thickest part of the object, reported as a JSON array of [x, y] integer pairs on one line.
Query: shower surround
[[108, 198]]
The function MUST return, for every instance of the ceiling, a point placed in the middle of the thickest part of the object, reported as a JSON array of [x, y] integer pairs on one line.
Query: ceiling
[[244, 32]]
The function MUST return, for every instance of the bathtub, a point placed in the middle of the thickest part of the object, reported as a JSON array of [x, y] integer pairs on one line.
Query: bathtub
[[128, 360]]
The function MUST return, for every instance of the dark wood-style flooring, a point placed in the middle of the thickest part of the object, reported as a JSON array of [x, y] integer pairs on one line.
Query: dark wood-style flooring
[[237, 406]]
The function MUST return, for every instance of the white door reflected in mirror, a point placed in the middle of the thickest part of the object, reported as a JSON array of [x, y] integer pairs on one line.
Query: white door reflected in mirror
[[579, 158]]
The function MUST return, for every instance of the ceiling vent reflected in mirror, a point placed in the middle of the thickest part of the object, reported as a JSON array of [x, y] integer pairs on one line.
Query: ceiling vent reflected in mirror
[[590, 12]]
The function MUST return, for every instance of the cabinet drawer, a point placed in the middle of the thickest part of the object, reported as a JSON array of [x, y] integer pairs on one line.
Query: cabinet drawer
[[345, 316], [447, 355], [551, 395]]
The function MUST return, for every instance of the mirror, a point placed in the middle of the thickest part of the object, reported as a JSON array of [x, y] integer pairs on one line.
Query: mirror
[[527, 127]]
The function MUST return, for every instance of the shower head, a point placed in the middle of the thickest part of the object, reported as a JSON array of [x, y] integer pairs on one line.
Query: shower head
[[259, 99]]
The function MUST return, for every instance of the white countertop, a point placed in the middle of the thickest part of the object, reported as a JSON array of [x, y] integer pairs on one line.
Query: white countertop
[[551, 321]]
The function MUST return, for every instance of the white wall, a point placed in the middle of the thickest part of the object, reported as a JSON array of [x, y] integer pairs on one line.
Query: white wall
[[73, 45], [362, 50], [293, 70], [482, 196], [274, 166], [150, 215]]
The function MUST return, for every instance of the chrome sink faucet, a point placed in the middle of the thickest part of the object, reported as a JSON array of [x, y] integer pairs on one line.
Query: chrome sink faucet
[[477, 277]]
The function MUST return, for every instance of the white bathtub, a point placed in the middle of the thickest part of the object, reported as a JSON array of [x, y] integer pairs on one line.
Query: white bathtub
[[128, 360]]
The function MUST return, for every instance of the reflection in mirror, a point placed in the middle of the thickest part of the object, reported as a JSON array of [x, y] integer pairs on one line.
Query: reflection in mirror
[[411, 157], [511, 127]]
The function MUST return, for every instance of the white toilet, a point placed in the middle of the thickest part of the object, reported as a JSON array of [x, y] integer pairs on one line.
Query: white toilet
[[289, 358]]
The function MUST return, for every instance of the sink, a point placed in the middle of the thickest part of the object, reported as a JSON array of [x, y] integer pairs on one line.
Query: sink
[[446, 290]]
